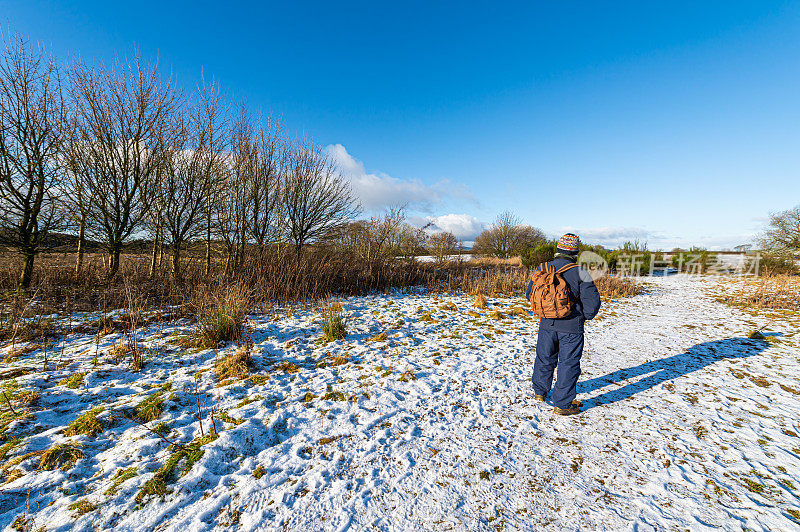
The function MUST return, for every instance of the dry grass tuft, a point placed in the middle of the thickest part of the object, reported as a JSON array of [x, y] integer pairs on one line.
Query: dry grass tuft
[[518, 311], [338, 361], [497, 315], [334, 326], [484, 261], [287, 367], [62, 456], [220, 314], [333, 395], [234, 366], [11, 476], [380, 337], [613, 286], [480, 301], [407, 376], [775, 292], [14, 354], [177, 465], [120, 350], [309, 397], [82, 507], [790, 389], [426, 316]]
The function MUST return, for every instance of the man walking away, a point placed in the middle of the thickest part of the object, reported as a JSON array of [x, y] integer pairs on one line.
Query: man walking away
[[560, 341]]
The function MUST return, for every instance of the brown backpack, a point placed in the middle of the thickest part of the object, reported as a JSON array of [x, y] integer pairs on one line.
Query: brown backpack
[[550, 295]]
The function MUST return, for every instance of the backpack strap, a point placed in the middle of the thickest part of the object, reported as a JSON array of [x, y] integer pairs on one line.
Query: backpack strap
[[567, 267]]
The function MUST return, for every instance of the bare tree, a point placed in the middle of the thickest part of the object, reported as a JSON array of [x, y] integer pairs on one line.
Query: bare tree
[[77, 195], [441, 245], [187, 178], [783, 233], [211, 124], [232, 211], [31, 113], [374, 240], [507, 237], [268, 158], [157, 200], [122, 112], [411, 241], [317, 198]]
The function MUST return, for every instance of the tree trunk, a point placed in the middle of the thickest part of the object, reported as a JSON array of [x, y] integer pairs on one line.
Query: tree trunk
[[154, 258], [208, 244], [113, 260], [27, 269], [176, 262], [81, 245]]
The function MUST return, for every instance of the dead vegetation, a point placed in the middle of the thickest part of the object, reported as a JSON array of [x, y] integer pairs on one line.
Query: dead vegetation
[[767, 292], [234, 366], [220, 314], [613, 286], [62, 456], [334, 324]]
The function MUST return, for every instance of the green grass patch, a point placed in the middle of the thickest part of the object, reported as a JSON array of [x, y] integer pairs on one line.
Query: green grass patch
[[150, 408], [753, 486], [73, 381], [178, 464], [119, 477], [82, 507], [248, 400], [87, 424], [333, 395], [7, 447]]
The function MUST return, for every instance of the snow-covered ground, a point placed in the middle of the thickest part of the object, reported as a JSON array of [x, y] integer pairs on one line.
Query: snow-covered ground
[[687, 424]]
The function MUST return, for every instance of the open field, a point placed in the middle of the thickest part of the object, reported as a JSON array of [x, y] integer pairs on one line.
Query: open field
[[421, 417]]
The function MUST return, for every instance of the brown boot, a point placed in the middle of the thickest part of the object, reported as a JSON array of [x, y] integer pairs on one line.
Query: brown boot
[[539, 398], [571, 411]]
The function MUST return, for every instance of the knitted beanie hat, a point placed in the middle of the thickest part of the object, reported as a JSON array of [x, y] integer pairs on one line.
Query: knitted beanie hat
[[569, 244]]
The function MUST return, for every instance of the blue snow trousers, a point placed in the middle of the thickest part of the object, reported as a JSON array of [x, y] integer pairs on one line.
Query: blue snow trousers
[[555, 348]]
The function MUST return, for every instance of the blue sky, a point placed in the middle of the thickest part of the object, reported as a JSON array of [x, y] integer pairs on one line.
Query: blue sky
[[677, 123]]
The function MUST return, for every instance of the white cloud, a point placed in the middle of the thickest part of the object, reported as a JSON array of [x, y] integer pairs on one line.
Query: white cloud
[[376, 191], [612, 237], [463, 226], [609, 236]]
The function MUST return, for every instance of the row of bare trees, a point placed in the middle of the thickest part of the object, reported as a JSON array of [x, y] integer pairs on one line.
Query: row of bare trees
[[113, 152]]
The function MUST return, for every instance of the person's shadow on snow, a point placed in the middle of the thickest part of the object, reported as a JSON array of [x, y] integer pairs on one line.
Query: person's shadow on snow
[[666, 369]]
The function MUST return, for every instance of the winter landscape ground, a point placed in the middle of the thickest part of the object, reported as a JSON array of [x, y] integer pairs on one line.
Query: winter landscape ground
[[421, 418]]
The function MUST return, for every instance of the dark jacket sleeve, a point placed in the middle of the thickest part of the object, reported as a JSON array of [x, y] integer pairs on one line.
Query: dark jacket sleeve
[[590, 299], [528, 290]]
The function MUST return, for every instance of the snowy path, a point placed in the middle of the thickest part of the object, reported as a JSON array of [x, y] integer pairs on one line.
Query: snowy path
[[686, 425]]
